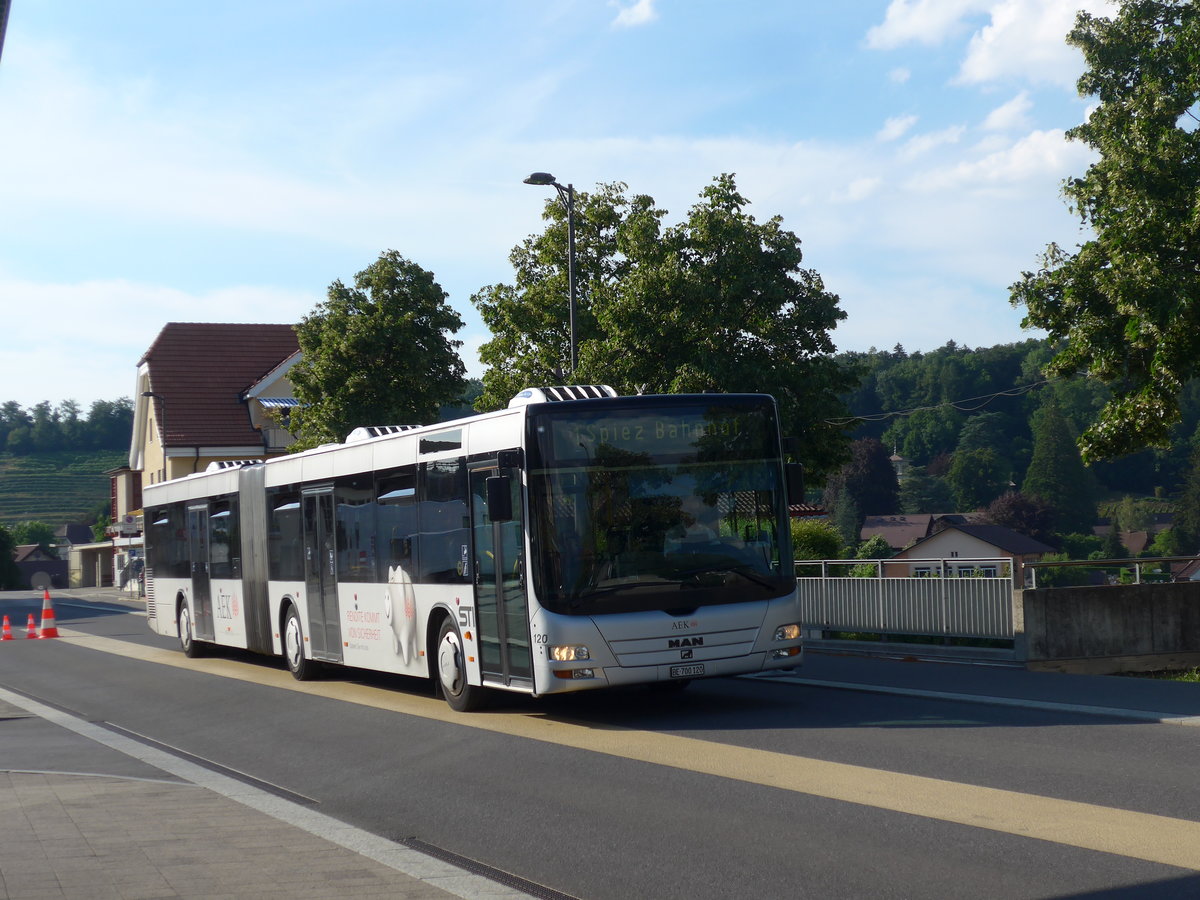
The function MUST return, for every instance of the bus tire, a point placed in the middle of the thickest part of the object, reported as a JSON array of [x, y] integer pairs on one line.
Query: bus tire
[[302, 668], [451, 671], [191, 647]]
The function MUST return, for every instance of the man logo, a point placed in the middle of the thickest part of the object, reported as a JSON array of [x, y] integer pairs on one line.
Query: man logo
[[673, 643], [685, 654]]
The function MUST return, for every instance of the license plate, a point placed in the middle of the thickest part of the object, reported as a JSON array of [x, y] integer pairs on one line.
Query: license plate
[[687, 671]]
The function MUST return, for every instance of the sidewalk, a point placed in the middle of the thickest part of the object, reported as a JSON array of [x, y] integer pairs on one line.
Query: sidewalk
[[142, 824]]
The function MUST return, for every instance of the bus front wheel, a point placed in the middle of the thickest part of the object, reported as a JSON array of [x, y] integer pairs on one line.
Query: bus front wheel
[[452, 671], [298, 664], [187, 641]]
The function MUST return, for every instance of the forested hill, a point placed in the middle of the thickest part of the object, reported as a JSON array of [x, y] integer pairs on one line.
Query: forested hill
[[929, 406], [53, 459]]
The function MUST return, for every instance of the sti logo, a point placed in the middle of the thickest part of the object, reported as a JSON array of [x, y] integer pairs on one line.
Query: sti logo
[[674, 643]]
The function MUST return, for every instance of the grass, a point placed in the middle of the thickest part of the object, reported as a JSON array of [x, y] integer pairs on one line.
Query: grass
[[1190, 675]]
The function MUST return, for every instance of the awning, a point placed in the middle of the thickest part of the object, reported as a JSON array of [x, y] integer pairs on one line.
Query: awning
[[278, 402]]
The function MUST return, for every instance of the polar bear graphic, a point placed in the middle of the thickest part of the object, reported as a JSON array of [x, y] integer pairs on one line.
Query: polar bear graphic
[[400, 612]]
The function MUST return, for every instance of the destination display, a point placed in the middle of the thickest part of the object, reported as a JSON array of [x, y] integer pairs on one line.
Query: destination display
[[709, 433]]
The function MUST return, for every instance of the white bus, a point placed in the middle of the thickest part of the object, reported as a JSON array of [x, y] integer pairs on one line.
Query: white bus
[[575, 540]]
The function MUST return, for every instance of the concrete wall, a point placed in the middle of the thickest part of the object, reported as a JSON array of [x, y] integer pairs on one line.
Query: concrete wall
[[1110, 628]]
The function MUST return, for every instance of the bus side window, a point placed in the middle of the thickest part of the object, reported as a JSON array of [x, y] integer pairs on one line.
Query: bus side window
[[396, 496], [445, 518]]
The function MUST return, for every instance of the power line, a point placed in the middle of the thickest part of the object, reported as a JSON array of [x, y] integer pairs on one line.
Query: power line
[[960, 405]]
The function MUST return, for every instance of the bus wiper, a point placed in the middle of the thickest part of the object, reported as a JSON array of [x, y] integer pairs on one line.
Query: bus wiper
[[742, 569]]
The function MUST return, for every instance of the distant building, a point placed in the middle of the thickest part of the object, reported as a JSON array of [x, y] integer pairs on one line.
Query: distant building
[[205, 392], [972, 543]]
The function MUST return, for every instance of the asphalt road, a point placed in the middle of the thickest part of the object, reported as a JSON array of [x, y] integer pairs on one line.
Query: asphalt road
[[743, 787]]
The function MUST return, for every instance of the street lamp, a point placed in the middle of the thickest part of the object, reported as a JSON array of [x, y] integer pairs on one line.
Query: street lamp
[[162, 421], [567, 196]]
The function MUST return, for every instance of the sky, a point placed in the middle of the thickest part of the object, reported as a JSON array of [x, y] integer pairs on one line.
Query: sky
[[227, 161]]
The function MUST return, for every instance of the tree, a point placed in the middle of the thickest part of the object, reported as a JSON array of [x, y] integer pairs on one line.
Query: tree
[[1056, 473], [977, 477], [10, 575], [920, 492], [868, 480], [1125, 301], [1187, 512], [376, 353], [33, 532], [716, 303], [815, 539], [1027, 515]]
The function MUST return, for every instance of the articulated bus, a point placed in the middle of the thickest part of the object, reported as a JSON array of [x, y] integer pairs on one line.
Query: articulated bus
[[577, 539]]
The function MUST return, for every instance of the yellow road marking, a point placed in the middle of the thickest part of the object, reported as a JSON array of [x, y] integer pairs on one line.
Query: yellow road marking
[[1158, 839]]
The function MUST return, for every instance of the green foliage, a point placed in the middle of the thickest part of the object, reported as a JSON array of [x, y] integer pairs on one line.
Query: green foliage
[[815, 539], [1187, 513], [977, 477], [34, 532], [875, 547], [719, 303], [376, 353], [1066, 576], [57, 488], [1165, 543], [920, 492], [1125, 299], [10, 575], [867, 484], [1080, 546], [52, 429], [1111, 546], [1056, 473]]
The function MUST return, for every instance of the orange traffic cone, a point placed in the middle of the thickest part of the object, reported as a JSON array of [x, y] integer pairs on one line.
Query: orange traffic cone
[[31, 627], [49, 628], [6, 631]]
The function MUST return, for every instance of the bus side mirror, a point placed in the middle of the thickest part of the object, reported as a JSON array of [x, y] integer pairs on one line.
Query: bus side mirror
[[510, 459], [499, 498], [794, 473]]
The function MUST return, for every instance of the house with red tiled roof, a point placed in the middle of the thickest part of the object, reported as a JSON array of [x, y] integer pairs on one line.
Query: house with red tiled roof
[[206, 392], [962, 549]]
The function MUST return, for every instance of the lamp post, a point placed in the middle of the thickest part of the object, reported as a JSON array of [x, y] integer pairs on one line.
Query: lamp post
[[162, 421], [567, 196]]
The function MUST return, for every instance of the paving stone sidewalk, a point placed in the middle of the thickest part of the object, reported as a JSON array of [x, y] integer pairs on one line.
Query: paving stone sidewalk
[[80, 837]]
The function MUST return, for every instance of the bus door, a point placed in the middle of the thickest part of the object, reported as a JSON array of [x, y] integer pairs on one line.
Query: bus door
[[320, 575], [501, 610], [202, 611]]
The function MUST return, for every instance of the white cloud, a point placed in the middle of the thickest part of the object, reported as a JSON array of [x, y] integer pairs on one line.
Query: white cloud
[[1040, 156], [1026, 40], [899, 75], [1010, 116], [642, 12], [101, 329], [923, 143], [1023, 39], [895, 128], [926, 22]]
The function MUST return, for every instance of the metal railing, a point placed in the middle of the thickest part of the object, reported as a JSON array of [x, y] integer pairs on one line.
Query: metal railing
[[951, 597], [1151, 565]]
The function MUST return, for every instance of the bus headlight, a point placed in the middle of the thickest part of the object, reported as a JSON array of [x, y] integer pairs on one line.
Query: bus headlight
[[569, 652], [787, 632]]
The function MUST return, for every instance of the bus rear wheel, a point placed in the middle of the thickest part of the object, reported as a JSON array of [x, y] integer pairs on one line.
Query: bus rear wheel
[[187, 642], [452, 671], [302, 668]]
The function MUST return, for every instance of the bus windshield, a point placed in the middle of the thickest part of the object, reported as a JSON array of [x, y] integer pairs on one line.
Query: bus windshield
[[658, 503]]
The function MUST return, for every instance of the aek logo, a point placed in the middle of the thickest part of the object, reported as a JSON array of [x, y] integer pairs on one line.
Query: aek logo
[[680, 625], [672, 643]]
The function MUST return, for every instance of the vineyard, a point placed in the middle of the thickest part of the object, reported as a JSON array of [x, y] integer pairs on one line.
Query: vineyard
[[55, 488]]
